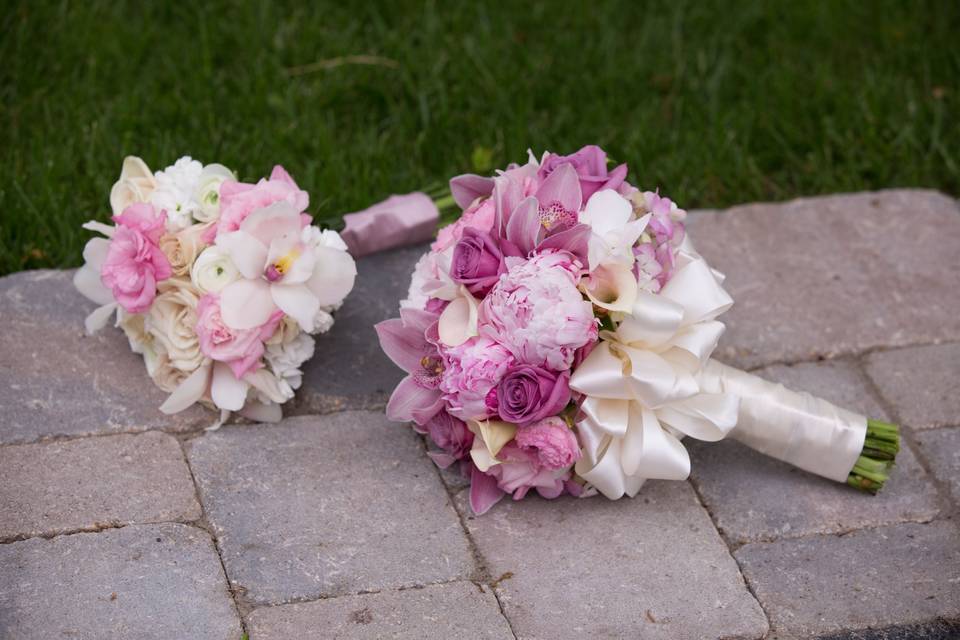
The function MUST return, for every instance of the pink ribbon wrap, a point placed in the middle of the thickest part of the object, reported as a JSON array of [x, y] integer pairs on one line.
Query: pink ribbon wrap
[[395, 222]]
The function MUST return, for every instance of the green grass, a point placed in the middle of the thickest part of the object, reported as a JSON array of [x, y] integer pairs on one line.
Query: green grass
[[715, 102]]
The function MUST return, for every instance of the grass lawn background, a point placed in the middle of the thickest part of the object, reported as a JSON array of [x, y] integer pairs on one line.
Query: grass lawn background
[[714, 102]]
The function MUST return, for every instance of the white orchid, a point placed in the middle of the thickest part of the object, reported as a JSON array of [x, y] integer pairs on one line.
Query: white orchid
[[284, 266]]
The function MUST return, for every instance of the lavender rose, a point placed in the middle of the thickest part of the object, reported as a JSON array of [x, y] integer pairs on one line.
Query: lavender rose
[[477, 261], [590, 163], [528, 394]]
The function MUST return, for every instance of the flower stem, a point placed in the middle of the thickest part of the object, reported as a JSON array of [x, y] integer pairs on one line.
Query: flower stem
[[880, 448]]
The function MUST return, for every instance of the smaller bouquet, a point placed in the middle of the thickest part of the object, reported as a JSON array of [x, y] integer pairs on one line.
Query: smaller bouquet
[[558, 336], [218, 284]]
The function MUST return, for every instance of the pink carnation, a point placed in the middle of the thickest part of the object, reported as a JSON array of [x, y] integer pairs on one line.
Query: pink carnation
[[479, 216], [239, 199], [537, 312], [470, 371], [521, 470], [552, 441], [134, 263], [240, 349]]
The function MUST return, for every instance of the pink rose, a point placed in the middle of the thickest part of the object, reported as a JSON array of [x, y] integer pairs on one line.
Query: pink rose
[[521, 470], [552, 441], [239, 199], [537, 312], [134, 263], [470, 371], [528, 394], [240, 349], [479, 216]]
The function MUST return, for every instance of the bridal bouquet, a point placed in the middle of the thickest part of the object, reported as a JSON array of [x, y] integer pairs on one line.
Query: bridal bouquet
[[557, 337], [219, 284]]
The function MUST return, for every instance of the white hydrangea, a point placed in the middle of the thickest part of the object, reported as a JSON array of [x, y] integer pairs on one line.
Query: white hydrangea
[[285, 359], [175, 192]]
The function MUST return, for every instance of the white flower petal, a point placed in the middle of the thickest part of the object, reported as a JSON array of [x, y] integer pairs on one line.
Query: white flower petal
[[246, 252], [298, 302], [612, 286], [246, 304], [278, 219], [227, 392], [606, 211], [458, 322], [333, 275], [98, 318], [189, 391]]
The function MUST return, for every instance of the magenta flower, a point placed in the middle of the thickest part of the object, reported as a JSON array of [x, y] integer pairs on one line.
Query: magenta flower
[[404, 340], [590, 164], [478, 260], [134, 263], [471, 371], [451, 435], [528, 394]]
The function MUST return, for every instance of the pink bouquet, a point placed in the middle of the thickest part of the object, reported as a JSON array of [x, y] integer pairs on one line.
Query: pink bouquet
[[557, 338], [218, 284]]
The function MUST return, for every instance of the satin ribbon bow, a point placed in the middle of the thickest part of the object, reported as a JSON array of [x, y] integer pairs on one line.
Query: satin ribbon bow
[[641, 387]]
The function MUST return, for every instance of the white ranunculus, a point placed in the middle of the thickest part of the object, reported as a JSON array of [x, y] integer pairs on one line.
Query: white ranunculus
[[136, 184], [174, 192], [207, 192], [213, 270]]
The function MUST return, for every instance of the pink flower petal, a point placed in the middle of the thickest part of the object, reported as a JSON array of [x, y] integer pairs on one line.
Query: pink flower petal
[[484, 492], [405, 345], [562, 186], [524, 226], [410, 401], [468, 187]]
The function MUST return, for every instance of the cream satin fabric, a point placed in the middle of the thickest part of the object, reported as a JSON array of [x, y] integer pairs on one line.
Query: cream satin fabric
[[652, 382], [642, 388], [806, 431]]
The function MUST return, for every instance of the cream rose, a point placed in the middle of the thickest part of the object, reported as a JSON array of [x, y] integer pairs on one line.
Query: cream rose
[[207, 193], [213, 270], [172, 320], [136, 184], [181, 248]]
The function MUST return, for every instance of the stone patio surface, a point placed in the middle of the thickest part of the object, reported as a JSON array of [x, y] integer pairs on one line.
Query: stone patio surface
[[119, 522]]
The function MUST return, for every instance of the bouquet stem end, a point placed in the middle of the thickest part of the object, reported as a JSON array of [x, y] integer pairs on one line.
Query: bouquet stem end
[[880, 448]]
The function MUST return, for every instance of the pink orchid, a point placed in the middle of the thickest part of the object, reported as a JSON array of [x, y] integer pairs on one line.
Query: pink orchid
[[590, 164], [404, 340], [283, 267]]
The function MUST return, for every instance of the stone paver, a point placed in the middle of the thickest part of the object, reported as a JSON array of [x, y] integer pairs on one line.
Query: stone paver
[[820, 276], [54, 487], [754, 497], [348, 370], [941, 448], [55, 380], [142, 582], [934, 630], [328, 505], [651, 567], [454, 610], [921, 382], [873, 578]]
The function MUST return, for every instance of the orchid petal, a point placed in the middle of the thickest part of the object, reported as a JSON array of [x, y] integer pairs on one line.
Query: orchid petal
[[273, 221], [333, 275], [189, 391], [410, 401], [576, 240], [98, 318], [260, 412], [405, 345], [106, 229], [298, 302], [468, 187], [562, 186], [606, 211], [484, 492], [247, 253], [300, 265], [227, 392], [246, 304], [524, 226]]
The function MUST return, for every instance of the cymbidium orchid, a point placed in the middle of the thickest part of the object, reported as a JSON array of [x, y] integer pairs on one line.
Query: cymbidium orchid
[[285, 265]]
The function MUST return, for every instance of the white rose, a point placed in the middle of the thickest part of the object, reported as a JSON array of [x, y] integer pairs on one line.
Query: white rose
[[172, 321], [207, 192], [136, 184], [213, 270]]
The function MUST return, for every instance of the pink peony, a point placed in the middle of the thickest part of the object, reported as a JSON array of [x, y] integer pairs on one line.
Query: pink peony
[[134, 263], [471, 371], [239, 199], [478, 216], [537, 312], [553, 442], [240, 349]]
